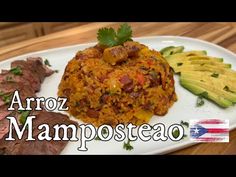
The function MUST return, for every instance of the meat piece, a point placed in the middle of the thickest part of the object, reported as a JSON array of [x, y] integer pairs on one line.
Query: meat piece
[[10, 78], [125, 80], [128, 88], [33, 70], [4, 127], [127, 83], [6, 87], [39, 67], [4, 71], [67, 92], [28, 74], [147, 106], [92, 52], [24, 90], [104, 98], [100, 48], [135, 94], [1, 102], [22, 147], [132, 48], [92, 113], [114, 55], [3, 114], [154, 78]]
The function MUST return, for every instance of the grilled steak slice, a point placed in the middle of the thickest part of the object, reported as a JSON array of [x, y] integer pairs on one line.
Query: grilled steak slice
[[24, 89], [28, 73], [4, 112], [4, 127], [38, 67], [22, 147]]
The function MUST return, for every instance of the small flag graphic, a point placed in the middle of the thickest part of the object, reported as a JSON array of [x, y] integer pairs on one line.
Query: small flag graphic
[[209, 130]]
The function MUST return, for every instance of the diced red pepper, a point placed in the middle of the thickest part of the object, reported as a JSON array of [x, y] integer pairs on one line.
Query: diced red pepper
[[140, 78], [150, 62]]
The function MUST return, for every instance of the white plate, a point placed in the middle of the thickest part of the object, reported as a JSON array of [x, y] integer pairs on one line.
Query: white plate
[[184, 109]]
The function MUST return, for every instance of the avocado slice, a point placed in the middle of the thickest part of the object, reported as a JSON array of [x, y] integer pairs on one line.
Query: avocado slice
[[212, 88], [186, 64], [207, 67], [218, 80], [183, 55], [171, 50], [175, 58], [197, 90], [204, 57]]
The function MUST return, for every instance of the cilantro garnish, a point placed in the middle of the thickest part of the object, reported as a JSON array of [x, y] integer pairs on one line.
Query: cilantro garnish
[[104, 132], [9, 79], [216, 75], [179, 64], [24, 116], [17, 70], [226, 88], [46, 62], [1, 93], [184, 123], [97, 138], [127, 146], [109, 37], [200, 100], [6, 98]]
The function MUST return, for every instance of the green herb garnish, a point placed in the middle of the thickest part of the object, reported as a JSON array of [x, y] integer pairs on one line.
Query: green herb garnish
[[104, 132], [179, 64], [17, 70], [1, 93], [216, 75], [24, 116], [9, 78], [109, 37], [97, 138], [200, 100], [6, 98], [56, 71], [204, 94], [46, 62], [184, 123], [127, 146], [226, 88]]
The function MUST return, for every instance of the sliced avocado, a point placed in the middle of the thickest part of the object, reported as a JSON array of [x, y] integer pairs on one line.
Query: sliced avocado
[[180, 67], [211, 62], [202, 57], [183, 55], [171, 50], [223, 93], [185, 64], [206, 67], [197, 90], [197, 59], [211, 78]]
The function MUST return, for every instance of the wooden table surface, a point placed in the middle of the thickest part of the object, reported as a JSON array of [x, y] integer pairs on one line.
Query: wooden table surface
[[223, 34]]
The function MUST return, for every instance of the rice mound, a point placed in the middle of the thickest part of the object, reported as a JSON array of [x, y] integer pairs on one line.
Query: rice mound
[[122, 84]]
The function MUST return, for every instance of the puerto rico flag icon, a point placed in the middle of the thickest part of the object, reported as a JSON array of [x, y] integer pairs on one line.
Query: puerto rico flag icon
[[209, 130]]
